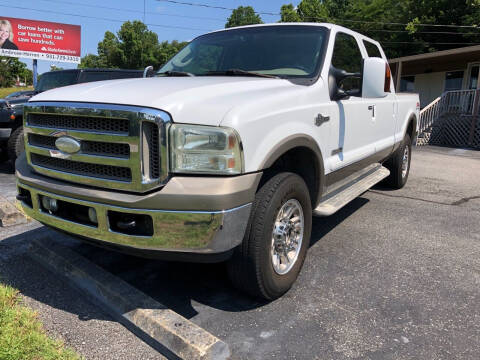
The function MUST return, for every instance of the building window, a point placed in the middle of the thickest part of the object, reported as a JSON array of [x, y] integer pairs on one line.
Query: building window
[[407, 84], [453, 80]]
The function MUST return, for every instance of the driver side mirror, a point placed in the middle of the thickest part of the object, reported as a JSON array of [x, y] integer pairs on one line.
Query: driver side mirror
[[148, 71], [343, 84], [377, 78]]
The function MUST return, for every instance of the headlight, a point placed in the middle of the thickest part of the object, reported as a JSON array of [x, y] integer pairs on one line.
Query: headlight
[[205, 149]]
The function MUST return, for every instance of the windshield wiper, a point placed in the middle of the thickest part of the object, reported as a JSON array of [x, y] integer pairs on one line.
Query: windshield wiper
[[176, 73], [239, 72]]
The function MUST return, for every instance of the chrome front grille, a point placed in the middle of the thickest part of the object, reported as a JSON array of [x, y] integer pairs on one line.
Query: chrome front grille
[[107, 149], [81, 168], [121, 147], [87, 147], [85, 123], [151, 153]]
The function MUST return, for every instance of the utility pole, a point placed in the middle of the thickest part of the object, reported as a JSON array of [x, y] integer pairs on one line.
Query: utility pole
[[144, 10], [35, 73]]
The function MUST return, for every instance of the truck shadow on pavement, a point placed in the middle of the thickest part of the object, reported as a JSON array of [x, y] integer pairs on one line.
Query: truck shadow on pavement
[[186, 288]]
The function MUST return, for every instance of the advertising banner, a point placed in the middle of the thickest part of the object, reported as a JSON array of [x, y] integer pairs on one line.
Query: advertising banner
[[40, 40]]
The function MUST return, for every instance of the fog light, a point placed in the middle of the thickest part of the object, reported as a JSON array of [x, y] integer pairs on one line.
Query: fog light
[[92, 215], [49, 203]]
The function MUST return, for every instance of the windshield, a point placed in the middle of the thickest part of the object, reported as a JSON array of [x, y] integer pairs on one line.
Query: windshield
[[51, 80], [288, 51]]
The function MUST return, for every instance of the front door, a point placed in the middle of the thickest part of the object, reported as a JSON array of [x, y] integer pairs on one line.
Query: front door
[[352, 135]]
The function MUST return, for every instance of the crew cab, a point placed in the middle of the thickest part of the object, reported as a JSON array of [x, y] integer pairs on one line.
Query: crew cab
[[11, 108], [226, 154]]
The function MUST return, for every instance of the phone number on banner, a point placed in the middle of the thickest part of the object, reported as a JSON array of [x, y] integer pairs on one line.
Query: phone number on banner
[[40, 56]]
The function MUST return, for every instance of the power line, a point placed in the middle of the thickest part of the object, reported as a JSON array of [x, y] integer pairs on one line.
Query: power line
[[201, 29], [101, 18], [418, 32], [403, 24], [222, 20], [132, 10], [320, 19], [214, 7], [427, 43]]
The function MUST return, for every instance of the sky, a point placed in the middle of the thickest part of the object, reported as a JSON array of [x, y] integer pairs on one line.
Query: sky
[[169, 20]]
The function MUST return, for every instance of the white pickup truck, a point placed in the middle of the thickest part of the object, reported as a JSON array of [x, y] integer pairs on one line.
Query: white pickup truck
[[226, 154]]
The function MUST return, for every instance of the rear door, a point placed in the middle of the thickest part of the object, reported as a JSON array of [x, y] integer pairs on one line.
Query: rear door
[[382, 111], [352, 135]]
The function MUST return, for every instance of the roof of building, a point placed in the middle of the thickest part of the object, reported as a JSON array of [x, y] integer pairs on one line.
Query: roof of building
[[435, 54]]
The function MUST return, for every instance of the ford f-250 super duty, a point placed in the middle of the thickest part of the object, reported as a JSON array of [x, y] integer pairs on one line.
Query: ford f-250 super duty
[[226, 154]]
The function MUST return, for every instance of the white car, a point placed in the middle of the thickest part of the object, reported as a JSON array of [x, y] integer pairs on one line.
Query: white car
[[226, 154]]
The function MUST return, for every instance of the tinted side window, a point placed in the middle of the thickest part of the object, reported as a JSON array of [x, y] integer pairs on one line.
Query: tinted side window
[[95, 76], [346, 54], [372, 49], [125, 75]]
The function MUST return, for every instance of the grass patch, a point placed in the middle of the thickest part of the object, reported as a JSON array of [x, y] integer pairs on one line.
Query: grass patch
[[22, 336], [5, 91]]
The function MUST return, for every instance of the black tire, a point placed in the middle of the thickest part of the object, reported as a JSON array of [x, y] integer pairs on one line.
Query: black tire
[[16, 144], [250, 268], [397, 178]]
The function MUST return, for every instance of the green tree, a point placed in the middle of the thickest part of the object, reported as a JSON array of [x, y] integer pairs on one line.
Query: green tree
[[336, 8], [288, 13], [55, 68], [133, 47], [313, 11], [11, 70], [396, 24], [243, 15], [92, 61]]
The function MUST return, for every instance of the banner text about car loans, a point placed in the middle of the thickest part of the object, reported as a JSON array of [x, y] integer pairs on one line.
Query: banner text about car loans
[[38, 35]]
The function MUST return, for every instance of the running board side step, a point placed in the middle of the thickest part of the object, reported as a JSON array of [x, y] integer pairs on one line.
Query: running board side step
[[357, 187]]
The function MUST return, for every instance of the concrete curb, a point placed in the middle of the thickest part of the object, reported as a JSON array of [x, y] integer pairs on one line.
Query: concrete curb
[[9, 214], [172, 331], [19, 207]]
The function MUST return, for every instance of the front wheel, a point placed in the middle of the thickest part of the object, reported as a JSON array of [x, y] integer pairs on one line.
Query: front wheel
[[268, 261]]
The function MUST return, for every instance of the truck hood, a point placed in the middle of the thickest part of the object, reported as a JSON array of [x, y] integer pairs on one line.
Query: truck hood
[[194, 100]]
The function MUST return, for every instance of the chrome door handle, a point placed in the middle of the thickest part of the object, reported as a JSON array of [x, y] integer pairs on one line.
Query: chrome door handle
[[372, 109]]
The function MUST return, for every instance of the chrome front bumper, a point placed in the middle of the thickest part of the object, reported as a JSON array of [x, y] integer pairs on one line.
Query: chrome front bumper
[[176, 232]]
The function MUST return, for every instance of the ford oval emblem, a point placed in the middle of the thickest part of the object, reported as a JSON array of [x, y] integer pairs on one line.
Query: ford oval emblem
[[67, 145]]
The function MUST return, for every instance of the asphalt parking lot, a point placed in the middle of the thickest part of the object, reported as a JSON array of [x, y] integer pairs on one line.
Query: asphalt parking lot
[[393, 275]]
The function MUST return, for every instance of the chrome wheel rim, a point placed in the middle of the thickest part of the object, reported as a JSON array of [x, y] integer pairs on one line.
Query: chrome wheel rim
[[405, 160], [287, 236]]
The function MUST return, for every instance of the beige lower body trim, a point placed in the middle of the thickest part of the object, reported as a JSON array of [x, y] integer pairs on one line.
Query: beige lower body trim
[[180, 193]]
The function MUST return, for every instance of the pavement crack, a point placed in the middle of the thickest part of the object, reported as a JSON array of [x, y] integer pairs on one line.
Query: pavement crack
[[464, 200], [411, 198], [455, 203]]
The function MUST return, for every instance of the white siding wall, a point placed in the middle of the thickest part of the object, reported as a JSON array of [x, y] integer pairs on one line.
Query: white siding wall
[[429, 86]]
